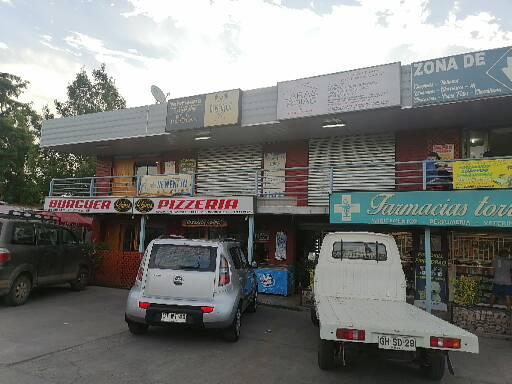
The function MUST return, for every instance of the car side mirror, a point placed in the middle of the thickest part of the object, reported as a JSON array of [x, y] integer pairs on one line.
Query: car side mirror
[[254, 264], [312, 256]]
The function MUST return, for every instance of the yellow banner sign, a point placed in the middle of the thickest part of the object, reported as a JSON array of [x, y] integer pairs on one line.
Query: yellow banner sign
[[476, 174]]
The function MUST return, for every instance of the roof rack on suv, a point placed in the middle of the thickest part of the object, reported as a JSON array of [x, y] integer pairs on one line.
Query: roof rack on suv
[[170, 237], [27, 215]]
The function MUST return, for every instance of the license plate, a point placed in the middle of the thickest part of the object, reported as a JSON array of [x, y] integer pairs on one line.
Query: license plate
[[399, 343], [174, 318]]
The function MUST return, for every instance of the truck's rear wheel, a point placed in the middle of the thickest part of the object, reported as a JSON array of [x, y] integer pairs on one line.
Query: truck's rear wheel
[[326, 354], [314, 317], [433, 365]]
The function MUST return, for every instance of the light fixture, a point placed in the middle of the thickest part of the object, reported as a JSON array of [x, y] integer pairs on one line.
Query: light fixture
[[203, 137], [334, 124]]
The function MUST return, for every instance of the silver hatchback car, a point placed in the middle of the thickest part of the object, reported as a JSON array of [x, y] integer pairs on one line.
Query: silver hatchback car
[[198, 283]]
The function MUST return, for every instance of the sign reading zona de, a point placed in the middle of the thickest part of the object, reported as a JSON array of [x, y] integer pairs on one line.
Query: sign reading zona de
[[468, 76], [482, 208]]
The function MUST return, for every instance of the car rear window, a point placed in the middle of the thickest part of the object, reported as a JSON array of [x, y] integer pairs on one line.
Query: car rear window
[[183, 257], [359, 250]]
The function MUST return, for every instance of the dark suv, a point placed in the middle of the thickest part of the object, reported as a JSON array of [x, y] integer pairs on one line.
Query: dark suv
[[36, 252]]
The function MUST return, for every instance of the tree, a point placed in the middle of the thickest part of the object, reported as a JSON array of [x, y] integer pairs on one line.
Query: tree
[[84, 95], [16, 140]]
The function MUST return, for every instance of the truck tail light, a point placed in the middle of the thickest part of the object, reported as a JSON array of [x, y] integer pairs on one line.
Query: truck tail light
[[350, 334], [207, 309], [444, 342], [224, 278], [144, 305], [5, 256]]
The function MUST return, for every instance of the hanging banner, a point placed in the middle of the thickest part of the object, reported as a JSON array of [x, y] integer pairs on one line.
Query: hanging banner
[[482, 208], [226, 205], [482, 174], [166, 185], [92, 205], [274, 165]]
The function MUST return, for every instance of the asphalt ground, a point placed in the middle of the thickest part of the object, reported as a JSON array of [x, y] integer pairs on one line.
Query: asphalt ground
[[66, 337]]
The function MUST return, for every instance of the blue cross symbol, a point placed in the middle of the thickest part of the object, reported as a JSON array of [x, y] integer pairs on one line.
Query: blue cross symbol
[[346, 208]]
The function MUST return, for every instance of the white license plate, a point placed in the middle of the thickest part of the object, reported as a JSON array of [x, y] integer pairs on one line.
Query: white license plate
[[399, 343], [174, 318]]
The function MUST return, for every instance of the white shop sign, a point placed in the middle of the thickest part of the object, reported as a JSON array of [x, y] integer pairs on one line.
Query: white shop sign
[[89, 205], [357, 90]]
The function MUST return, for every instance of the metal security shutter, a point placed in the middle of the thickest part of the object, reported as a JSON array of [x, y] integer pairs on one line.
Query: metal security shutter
[[228, 170], [357, 162]]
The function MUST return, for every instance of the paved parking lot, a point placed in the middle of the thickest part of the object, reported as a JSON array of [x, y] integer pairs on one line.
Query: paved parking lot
[[80, 337]]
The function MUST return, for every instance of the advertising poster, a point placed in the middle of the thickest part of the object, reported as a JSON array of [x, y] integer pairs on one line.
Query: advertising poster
[[188, 166], [274, 165], [281, 240], [439, 281], [482, 174], [222, 108], [445, 151]]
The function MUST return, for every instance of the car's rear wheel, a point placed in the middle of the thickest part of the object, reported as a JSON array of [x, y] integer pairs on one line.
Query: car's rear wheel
[[20, 291], [232, 333], [433, 365], [326, 354], [253, 305], [81, 280], [137, 328]]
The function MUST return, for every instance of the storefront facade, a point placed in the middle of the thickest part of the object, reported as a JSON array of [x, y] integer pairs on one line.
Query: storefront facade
[[259, 165]]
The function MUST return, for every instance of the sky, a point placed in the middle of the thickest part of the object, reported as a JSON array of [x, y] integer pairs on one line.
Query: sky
[[189, 47]]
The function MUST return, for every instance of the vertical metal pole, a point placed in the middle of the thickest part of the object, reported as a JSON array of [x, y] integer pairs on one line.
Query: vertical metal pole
[[91, 188], [428, 271], [137, 180], [256, 186], [51, 187], [250, 239], [424, 174], [142, 234], [331, 180]]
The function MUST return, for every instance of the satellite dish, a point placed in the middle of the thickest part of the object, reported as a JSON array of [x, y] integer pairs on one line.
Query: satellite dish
[[158, 94]]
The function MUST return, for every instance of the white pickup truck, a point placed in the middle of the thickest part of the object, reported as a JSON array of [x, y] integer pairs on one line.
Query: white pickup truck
[[360, 304]]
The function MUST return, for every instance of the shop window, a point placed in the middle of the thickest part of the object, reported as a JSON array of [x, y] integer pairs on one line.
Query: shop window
[[144, 169], [130, 239]]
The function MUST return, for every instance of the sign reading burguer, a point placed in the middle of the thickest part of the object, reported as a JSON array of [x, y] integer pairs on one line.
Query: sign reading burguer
[[84, 205], [482, 208], [226, 205], [462, 77], [360, 89]]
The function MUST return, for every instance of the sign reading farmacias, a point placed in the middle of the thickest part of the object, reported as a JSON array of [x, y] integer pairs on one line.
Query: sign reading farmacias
[[424, 208]]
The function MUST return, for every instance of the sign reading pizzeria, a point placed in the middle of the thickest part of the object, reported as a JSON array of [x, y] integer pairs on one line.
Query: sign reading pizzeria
[[226, 205]]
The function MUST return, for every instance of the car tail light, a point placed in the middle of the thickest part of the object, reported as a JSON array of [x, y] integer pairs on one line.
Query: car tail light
[[350, 334], [207, 309], [144, 305], [224, 278], [444, 342], [5, 256]]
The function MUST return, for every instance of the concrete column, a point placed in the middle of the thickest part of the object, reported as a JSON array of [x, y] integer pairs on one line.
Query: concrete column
[[142, 234], [250, 239], [428, 271]]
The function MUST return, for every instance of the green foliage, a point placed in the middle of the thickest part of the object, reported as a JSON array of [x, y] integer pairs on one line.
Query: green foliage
[[26, 169], [467, 291]]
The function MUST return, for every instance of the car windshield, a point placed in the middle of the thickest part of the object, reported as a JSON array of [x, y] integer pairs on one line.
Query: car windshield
[[183, 257]]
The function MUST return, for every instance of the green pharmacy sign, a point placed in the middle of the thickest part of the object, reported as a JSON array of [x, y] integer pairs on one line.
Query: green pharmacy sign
[[482, 208]]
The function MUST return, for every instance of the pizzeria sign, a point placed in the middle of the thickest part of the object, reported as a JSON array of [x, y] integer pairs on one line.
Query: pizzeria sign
[[225, 205]]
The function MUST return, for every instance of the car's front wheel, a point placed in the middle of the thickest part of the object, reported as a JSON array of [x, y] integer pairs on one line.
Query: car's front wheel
[[81, 280], [20, 291], [232, 333]]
